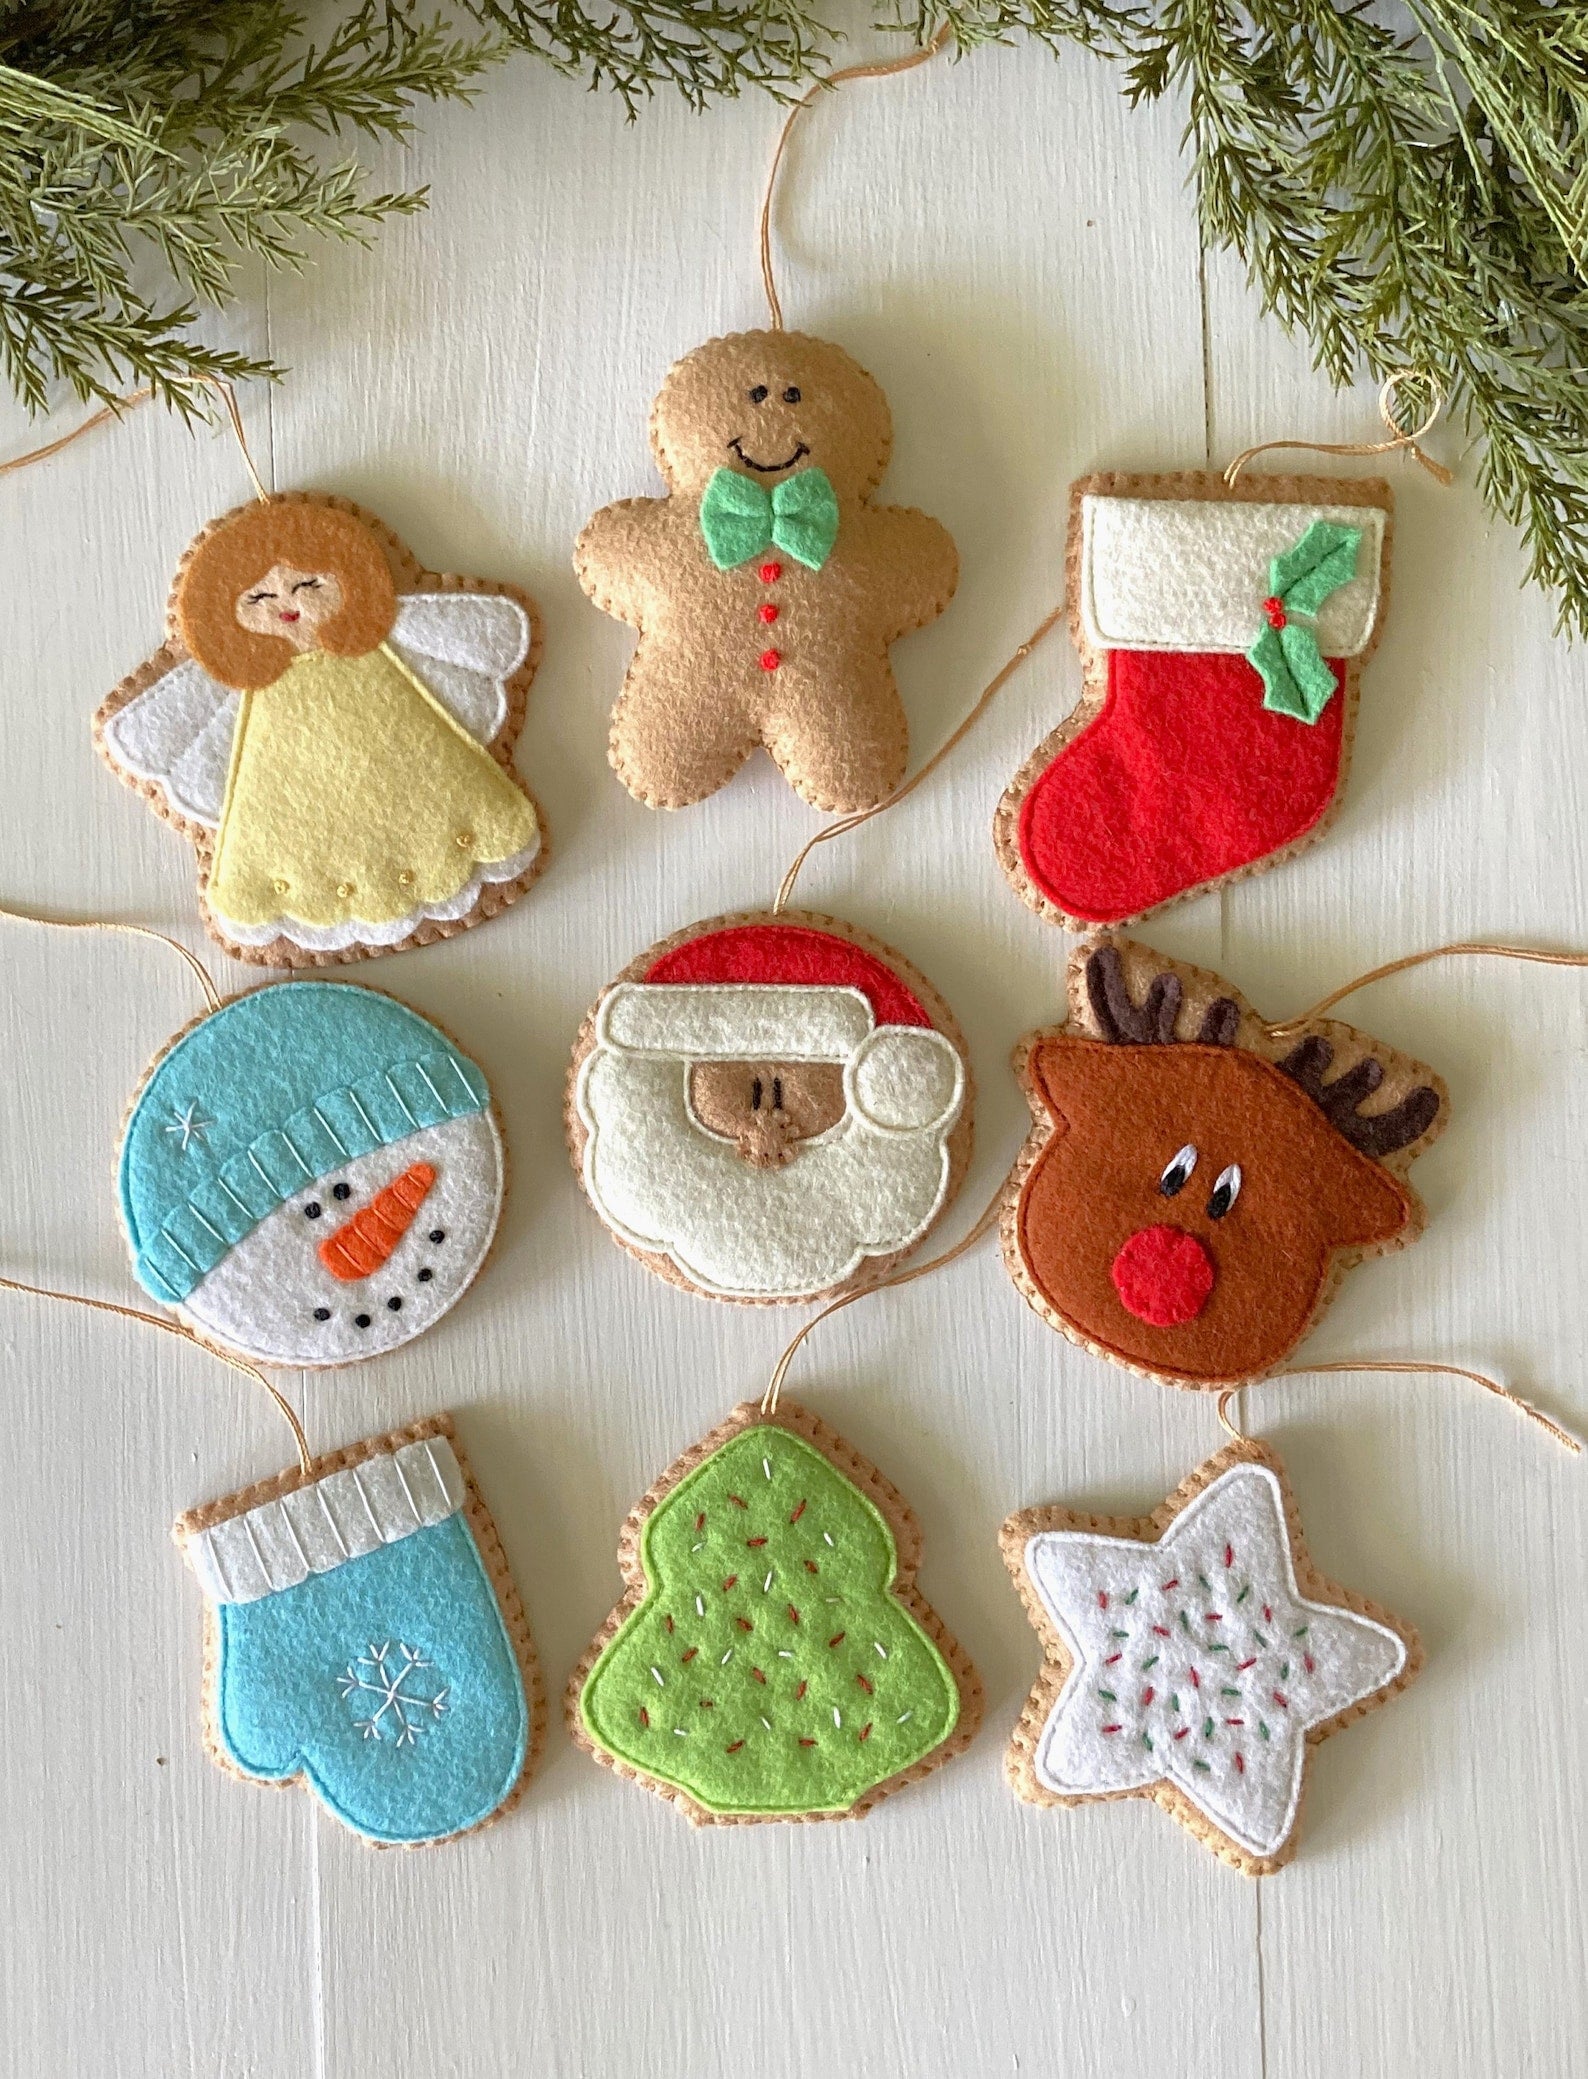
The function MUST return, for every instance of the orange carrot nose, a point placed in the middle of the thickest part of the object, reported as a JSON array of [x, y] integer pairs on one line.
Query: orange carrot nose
[[361, 1245]]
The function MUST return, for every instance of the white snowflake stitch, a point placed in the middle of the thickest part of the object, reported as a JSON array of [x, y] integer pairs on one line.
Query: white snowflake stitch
[[1194, 1657], [384, 1681]]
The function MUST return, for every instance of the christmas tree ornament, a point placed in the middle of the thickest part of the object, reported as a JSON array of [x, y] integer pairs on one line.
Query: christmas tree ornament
[[766, 587], [363, 1637], [331, 725], [769, 1106], [1223, 633], [772, 1657], [1196, 1182], [1195, 1656], [310, 1174]]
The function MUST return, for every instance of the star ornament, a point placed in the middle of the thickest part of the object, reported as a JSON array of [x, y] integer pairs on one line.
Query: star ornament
[[1194, 1656]]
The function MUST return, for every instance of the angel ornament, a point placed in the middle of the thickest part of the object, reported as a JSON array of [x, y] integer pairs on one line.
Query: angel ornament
[[332, 726]]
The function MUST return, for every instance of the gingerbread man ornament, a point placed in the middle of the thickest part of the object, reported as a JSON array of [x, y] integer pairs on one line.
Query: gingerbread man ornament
[[766, 587]]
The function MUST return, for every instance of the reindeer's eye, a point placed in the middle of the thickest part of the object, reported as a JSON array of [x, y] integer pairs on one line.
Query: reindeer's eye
[[1177, 1171], [1226, 1190], [758, 394], [791, 395]]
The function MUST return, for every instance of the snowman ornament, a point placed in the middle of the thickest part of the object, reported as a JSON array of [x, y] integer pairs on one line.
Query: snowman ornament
[[310, 1175]]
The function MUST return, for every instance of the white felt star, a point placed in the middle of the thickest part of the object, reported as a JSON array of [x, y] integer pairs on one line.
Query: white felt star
[[1193, 1660], [190, 1124]]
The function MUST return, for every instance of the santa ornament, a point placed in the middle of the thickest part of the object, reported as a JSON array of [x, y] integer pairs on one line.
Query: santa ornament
[[310, 1174], [1223, 632], [769, 1107]]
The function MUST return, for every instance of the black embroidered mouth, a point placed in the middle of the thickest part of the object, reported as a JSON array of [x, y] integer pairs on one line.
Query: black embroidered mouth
[[768, 468]]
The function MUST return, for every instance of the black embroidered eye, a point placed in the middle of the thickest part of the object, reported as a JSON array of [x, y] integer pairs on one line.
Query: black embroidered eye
[[307, 585], [322, 1313], [255, 597], [1226, 1190], [777, 1093], [791, 395], [758, 394], [313, 1209], [341, 1191], [361, 1320], [438, 1234], [426, 1275], [395, 1305], [755, 1095], [1177, 1171]]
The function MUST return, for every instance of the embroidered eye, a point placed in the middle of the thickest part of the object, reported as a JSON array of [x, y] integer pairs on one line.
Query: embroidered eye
[[307, 585], [341, 1191], [313, 1209], [791, 395], [758, 394], [255, 597], [1177, 1171], [755, 1095], [777, 1093], [1226, 1190]]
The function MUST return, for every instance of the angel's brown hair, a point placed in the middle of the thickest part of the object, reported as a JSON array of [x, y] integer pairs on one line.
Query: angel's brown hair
[[237, 551]]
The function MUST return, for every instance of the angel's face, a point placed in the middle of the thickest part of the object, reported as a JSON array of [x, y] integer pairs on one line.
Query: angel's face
[[291, 602]]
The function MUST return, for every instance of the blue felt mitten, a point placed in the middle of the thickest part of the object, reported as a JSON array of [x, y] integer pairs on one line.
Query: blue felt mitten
[[357, 1639]]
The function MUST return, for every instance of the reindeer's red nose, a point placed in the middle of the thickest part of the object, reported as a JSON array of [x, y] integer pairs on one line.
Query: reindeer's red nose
[[1163, 1275]]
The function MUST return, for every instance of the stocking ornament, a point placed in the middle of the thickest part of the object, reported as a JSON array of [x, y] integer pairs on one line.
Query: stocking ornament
[[1223, 633]]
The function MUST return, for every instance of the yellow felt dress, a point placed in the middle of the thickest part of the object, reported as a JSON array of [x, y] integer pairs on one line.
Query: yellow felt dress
[[355, 798]]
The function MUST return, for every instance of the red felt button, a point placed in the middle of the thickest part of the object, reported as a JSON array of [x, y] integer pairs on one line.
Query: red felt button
[[770, 660], [770, 573], [768, 613], [1163, 1276]]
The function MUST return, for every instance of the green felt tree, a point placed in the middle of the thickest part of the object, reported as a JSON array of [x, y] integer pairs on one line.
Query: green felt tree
[[768, 1667]]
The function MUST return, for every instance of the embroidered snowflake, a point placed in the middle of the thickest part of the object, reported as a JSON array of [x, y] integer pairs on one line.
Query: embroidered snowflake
[[387, 1693], [188, 1125]]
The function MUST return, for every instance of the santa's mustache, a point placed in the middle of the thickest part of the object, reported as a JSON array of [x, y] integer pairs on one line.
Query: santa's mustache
[[670, 1187]]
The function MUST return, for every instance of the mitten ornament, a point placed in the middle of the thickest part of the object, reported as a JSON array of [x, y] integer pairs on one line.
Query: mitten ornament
[[769, 1107], [766, 586], [310, 1174], [1195, 1657], [1197, 1182], [363, 1636], [772, 1658], [332, 727], [1223, 633]]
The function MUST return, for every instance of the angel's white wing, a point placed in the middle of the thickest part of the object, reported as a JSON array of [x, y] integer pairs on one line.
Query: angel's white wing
[[463, 646], [177, 735]]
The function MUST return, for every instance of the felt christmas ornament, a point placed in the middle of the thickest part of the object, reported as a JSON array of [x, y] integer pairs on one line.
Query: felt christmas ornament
[[311, 1174], [332, 726], [766, 587], [1223, 633], [772, 1657], [363, 1637], [1195, 1657], [1195, 1182], [769, 1107]]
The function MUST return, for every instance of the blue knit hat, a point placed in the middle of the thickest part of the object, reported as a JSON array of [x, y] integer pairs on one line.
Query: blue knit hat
[[273, 1091]]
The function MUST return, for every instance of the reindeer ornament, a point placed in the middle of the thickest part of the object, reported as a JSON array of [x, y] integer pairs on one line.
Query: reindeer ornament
[[1196, 1182]]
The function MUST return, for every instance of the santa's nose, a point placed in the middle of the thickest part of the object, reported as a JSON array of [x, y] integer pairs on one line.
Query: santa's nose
[[1163, 1276], [361, 1245]]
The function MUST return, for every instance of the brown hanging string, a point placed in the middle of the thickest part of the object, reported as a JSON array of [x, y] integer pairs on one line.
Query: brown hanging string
[[983, 702], [1479, 948], [1407, 1365], [121, 407], [882, 69], [211, 993], [769, 1399], [1386, 411], [186, 1335]]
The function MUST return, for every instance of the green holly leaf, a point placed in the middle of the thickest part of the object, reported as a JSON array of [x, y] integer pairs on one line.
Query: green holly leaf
[[1320, 563], [1296, 679]]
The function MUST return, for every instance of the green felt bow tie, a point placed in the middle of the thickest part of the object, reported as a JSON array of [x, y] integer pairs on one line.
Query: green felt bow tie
[[798, 516], [1296, 680]]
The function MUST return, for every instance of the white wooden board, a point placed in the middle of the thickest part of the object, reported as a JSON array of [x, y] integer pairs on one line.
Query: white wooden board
[[1014, 254]]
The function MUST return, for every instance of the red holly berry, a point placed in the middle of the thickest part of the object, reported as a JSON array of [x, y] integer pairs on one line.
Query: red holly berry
[[1275, 610]]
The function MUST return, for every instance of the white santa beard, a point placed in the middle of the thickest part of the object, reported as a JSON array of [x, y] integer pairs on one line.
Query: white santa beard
[[260, 1299], [667, 1186]]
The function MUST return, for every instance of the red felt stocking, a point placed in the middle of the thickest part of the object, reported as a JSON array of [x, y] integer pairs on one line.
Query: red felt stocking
[[1222, 634]]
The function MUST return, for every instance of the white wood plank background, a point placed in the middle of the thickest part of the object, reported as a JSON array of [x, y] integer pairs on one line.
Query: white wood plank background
[[1014, 253]]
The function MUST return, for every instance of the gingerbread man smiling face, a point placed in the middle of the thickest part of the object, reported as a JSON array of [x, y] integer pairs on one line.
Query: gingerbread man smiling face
[[766, 587]]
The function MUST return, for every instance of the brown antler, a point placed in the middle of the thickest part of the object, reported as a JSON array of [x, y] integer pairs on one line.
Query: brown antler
[[1150, 1023], [1378, 1134]]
